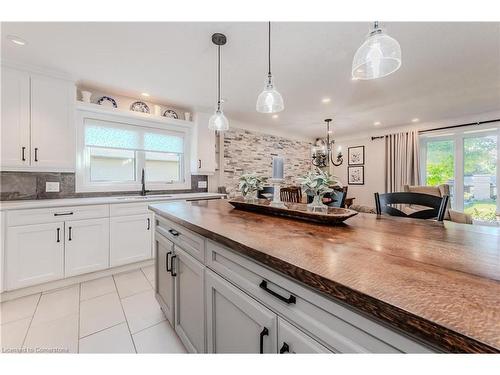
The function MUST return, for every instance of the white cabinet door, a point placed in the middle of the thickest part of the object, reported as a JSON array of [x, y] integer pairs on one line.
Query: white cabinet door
[[52, 124], [189, 300], [164, 278], [15, 130], [293, 340], [130, 239], [205, 146], [34, 254], [236, 323], [86, 246]]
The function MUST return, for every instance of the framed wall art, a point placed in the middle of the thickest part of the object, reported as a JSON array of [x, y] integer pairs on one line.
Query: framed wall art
[[356, 155], [356, 175]]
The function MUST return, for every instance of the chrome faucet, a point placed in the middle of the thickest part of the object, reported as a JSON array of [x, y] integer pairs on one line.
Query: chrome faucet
[[143, 181]]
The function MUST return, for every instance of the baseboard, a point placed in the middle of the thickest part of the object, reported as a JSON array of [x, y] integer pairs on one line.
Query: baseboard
[[51, 285]]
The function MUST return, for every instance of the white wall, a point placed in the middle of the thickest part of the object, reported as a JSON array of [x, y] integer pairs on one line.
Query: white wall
[[375, 154]]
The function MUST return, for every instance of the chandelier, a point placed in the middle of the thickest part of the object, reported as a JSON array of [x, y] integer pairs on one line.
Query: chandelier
[[322, 152]]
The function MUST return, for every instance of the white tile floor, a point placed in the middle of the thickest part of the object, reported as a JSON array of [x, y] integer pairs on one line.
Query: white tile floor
[[115, 314]]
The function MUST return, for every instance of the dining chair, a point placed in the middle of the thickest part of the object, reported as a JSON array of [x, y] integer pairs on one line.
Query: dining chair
[[291, 194], [333, 199], [437, 205]]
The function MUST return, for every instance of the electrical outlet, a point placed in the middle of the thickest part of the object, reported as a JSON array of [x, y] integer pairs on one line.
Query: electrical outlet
[[202, 184], [52, 187]]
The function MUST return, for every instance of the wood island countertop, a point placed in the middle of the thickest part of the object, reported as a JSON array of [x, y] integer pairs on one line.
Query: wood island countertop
[[439, 282]]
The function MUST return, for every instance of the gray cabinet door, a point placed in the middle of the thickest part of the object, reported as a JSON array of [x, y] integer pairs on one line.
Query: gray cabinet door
[[236, 323], [189, 301], [292, 340], [164, 279]]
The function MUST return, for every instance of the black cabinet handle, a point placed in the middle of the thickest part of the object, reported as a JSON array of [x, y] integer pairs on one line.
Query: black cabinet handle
[[285, 348], [166, 262], [173, 232], [36, 153], [199, 163], [149, 223], [172, 272], [58, 236], [69, 234], [288, 300], [23, 153], [63, 213], [264, 332]]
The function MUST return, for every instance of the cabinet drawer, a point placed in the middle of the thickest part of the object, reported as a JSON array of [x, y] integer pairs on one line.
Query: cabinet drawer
[[190, 242], [292, 340], [339, 327], [56, 214], [123, 209]]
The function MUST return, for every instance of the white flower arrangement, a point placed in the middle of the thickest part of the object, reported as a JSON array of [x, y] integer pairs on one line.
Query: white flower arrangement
[[251, 182], [318, 183]]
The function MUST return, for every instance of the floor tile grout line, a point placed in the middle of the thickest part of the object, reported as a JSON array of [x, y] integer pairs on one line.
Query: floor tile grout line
[[79, 307], [101, 295], [125, 315], [154, 325], [31, 321], [146, 276], [104, 329]]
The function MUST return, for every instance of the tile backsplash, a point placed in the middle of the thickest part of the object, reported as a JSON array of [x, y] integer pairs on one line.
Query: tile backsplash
[[31, 185]]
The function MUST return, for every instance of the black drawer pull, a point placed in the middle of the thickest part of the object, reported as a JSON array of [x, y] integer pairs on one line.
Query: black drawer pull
[[173, 232], [63, 213], [23, 153], [69, 234], [285, 348], [36, 153], [166, 262], [288, 300], [58, 237], [264, 332], [172, 272], [148, 223]]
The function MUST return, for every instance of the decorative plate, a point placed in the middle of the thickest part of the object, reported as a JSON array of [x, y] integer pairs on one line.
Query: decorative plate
[[107, 101], [139, 107], [170, 113]]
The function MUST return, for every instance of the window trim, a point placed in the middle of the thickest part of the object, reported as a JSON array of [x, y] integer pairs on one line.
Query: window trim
[[82, 176], [458, 136]]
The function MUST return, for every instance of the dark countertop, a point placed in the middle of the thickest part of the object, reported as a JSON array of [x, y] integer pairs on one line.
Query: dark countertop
[[439, 282]]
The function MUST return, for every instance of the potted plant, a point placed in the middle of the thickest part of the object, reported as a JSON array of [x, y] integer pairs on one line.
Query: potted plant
[[316, 184], [250, 184]]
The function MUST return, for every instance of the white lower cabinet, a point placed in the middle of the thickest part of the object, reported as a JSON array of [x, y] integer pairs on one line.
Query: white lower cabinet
[[292, 340], [164, 250], [130, 239], [237, 323], [86, 246], [189, 313], [34, 254]]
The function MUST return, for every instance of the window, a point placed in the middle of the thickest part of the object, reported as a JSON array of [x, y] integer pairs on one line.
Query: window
[[467, 161], [112, 155]]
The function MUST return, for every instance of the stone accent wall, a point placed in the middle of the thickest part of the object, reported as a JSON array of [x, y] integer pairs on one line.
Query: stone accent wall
[[252, 152], [31, 185]]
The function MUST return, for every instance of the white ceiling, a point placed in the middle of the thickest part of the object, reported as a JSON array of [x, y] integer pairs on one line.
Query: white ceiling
[[449, 69]]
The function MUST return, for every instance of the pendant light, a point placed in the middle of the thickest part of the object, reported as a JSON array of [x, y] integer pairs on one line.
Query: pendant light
[[218, 121], [378, 56], [269, 100]]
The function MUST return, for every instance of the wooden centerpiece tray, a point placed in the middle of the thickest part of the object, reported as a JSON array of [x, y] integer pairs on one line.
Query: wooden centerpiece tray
[[298, 211]]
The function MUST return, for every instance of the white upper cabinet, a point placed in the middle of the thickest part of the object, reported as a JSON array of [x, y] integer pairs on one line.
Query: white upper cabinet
[[52, 124], [203, 146], [15, 131], [37, 122]]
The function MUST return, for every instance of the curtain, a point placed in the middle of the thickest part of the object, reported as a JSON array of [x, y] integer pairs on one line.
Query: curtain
[[402, 165]]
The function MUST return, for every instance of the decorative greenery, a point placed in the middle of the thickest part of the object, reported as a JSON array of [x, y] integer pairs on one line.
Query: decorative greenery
[[318, 182], [251, 182]]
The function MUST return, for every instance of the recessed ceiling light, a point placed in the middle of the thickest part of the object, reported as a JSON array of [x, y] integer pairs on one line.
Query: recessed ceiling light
[[326, 100], [377, 123], [415, 120], [275, 116], [16, 40], [145, 94]]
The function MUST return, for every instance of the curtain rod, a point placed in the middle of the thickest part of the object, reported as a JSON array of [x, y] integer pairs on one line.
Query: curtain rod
[[447, 127]]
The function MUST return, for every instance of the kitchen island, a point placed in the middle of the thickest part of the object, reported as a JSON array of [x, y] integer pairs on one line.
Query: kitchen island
[[390, 284]]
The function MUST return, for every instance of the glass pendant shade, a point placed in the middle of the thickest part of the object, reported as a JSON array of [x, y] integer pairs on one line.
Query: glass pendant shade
[[269, 100], [218, 121], [378, 56]]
